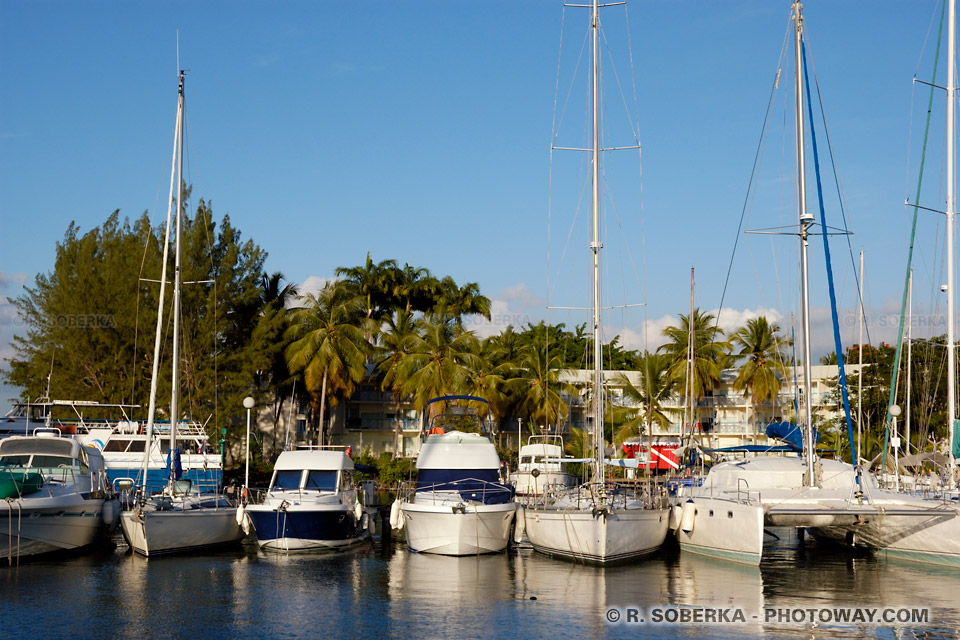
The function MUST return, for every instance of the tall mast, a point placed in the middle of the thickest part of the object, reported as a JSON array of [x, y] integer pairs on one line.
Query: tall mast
[[176, 290], [860, 363], [951, 354], [805, 221], [596, 245], [906, 447], [155, 371]]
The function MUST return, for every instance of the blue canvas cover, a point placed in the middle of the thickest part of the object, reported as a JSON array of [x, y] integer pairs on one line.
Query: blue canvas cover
[[478, 485], [790, 433]]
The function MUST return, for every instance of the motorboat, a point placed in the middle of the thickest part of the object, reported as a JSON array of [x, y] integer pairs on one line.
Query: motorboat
[[54, 495], [542, 464], [312, 504], [459, 504]]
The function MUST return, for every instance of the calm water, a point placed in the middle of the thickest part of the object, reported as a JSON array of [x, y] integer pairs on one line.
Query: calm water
[[397, 594]]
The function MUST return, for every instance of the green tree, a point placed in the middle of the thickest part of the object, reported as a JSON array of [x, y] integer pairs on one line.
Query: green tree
[[328, 345], [440, 360], [709, 357], [654, 389], [763, 368]]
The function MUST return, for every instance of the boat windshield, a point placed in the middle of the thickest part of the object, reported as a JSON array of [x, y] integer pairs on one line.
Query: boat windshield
[[286, 480], [325, 480], [52, 467]]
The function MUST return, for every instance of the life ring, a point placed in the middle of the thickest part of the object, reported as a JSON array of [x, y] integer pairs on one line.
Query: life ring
[[436, 431]]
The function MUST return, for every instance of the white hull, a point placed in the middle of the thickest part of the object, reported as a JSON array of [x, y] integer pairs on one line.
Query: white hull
[[66, 523], [723, 529], [933, 539], [157, 532], [437, 528], [624, 534]]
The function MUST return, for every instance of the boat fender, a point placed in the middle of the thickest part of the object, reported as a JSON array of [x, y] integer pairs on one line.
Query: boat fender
[[241, 513], [109, 513], [358, 509], [364, 523], [688, 516], [371, 525], [520, 525], [395, 515], [675, 514]]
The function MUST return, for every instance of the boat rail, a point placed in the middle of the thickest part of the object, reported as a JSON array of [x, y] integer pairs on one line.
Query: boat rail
[[612, 495], [479, 490]]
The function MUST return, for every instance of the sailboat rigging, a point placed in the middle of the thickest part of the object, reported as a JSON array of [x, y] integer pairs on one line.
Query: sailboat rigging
[[179, 518]]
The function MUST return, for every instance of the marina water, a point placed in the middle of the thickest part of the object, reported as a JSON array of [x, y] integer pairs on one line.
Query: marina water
[[393, 593]]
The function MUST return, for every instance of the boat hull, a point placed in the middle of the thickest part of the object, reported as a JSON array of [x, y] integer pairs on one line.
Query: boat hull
[[27, 528], [579, 535], [305, 529], [471, 529], [722, 529], [151, 533]]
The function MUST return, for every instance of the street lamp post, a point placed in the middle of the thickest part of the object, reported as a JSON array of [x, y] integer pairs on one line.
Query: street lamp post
[[248, 404]]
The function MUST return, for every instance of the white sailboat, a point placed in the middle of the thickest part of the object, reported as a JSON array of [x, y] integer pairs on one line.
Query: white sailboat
[[596, 523], [726, 515], [179, 518]]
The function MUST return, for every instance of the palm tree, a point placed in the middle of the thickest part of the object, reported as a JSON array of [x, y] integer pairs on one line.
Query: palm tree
[[328, 345], [709, 353], [458, 301], [273, 324], [538, 388], [764, 368], [655, 387], [374, 284], [397, 340], [439, 361]]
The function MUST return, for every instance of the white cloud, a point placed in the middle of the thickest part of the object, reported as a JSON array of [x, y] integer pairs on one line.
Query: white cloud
[[314, 284], [515, 305]]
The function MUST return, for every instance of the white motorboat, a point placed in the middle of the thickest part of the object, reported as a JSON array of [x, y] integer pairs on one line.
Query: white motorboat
[[311, 505], [542, 465], [179, 518], [54, 495], [459, 506]]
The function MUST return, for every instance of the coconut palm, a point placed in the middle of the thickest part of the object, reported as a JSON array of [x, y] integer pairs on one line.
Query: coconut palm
[[655, 387], [397, 340], [457, 301], [328, 345], [709, 352], [439, 362], [374, 284], [538, 388], [763, 370]]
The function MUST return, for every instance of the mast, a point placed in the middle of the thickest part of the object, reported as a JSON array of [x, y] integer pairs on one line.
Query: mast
[[951, 349], [806, 220], [906, 447], [176, 292], [860, 363], [155, 370], [691, 327], [596, 245]]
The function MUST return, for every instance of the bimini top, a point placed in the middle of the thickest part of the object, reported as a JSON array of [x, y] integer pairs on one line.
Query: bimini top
[[313, 459], [458, 450]]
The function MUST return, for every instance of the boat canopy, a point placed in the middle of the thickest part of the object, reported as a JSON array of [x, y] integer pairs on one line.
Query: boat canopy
[[477, 485], [790, 433]]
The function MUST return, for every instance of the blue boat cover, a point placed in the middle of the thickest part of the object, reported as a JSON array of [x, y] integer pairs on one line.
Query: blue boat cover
[[478, 485], [790, 434]]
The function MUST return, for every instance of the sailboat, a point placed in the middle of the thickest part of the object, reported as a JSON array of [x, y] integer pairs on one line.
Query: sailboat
[[725, 516], [598, 523], [179, 518]]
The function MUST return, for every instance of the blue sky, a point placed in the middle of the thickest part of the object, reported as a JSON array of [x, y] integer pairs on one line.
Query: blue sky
[[420, 131]]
